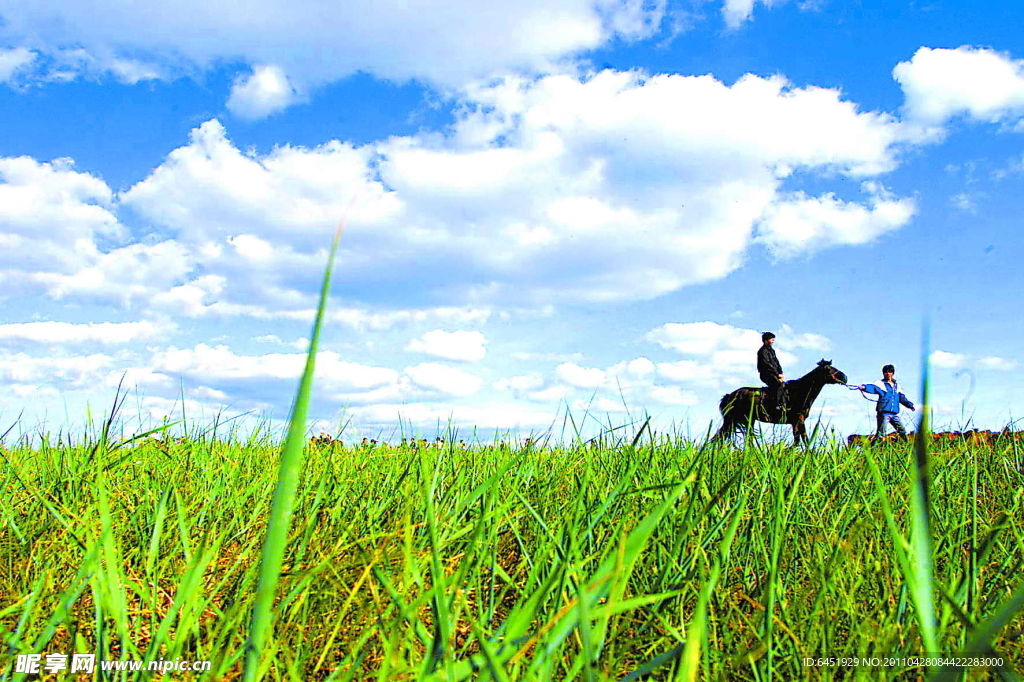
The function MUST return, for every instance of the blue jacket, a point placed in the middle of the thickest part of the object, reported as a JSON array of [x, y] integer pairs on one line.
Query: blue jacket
[[890, 397]]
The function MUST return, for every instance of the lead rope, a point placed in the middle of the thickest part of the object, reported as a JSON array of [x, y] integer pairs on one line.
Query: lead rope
[[862, 393]]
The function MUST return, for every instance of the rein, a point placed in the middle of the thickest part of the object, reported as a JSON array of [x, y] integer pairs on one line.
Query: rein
[[862, 393]]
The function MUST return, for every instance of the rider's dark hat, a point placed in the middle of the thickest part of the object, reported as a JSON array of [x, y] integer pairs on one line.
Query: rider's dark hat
[[767, 335], [888, 368]]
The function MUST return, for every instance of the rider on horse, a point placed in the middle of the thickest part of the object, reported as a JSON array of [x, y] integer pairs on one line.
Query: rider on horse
[[770, 371]]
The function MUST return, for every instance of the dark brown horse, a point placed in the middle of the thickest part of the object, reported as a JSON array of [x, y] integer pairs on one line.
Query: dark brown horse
[[744, 405]]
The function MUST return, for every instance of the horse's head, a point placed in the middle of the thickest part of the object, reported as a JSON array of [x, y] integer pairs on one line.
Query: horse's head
[[832, 375]]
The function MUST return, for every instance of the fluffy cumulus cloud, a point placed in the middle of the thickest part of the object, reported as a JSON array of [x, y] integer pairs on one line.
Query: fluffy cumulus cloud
[[26, 376], [216, 378], [673, 395], [810, 341], [637, 383], [580, 377], [998, 363], [220, 363], [946, 360], [457, 345], [799, 223], [13, 61], [702, 338], [612, 186], [576, 187], [316, 41], [981, 84], [60, 234], [265, 91], [50, 213], [721, 354], [429, 415], [433, 376], [737, 12], [717, 356], [91, 332]]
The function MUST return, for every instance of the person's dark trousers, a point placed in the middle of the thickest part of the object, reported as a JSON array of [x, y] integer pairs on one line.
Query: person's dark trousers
[[893, 419], [778, 389]]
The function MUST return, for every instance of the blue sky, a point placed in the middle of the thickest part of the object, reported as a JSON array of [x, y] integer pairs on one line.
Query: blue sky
[[555, 205]]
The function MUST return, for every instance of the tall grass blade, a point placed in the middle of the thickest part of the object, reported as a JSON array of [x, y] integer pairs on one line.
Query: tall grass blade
[[289, 471], [922, 588]]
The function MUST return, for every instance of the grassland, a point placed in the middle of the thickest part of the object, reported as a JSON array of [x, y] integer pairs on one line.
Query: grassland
[[655, 558], [585, 562]]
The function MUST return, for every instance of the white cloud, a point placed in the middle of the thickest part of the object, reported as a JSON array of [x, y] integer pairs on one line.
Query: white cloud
[[131, 71], [268, 338], [815, 342], [13, 61], [598, 405], [532, 387], [703, 338], [209, 395], [550, 357], [629, 375], [220, 368], [947, 360], [301, 343], [318, 42], [202, 404], [457, 345], [59, 233], [91, 332], [550, 394], [799, 223], [434, 376], [141, 378], [639, 367], [265, 91], [689, 372], [580, 377], [252, 249], [723, 354], [131, 273], [365, 320], [202, 296], [638, 185], [429, 415], [997, 363], [941, 358], [72, 208], [55, 373], [736, 12], [673, 395], [983, 84], [519, 384], [1013, 167], [964, 202]]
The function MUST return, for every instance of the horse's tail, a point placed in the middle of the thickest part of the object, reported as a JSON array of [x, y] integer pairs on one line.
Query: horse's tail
[[726, 402]]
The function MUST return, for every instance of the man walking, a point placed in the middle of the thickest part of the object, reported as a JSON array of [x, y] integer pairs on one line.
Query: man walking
[[770, 371], [887, 407]]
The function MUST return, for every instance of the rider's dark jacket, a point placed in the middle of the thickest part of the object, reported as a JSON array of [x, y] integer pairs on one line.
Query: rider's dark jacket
[[767, 362]]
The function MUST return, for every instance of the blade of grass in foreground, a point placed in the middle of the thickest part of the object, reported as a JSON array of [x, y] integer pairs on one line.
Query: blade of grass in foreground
[[288, 474], [922, 588]]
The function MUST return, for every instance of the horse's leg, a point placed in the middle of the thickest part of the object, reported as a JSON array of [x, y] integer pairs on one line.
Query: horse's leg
[[799, 432], [727, 430]]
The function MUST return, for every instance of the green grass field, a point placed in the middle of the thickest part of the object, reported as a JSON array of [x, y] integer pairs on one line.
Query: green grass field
[[652, 558], [496, 563]]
